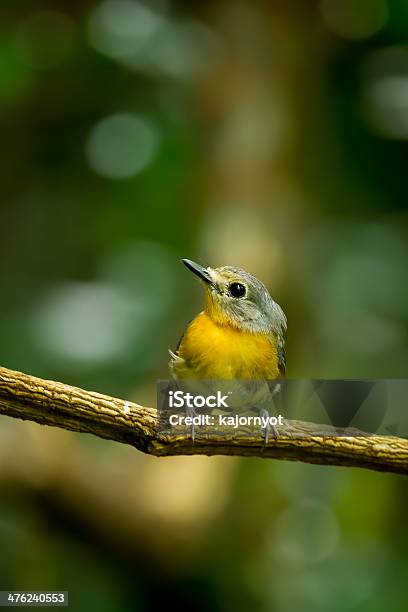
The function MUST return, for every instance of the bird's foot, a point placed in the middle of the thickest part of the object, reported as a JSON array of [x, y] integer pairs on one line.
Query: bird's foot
[[268, 428], [283, 430]]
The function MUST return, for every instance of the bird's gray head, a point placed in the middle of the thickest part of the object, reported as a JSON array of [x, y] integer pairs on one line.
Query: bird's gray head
[[237, 298]]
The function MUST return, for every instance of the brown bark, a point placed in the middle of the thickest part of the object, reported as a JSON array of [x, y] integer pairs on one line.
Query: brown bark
[[59, 405]]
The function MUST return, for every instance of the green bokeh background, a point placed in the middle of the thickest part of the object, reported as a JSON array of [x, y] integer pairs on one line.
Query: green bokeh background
[[267, 135]]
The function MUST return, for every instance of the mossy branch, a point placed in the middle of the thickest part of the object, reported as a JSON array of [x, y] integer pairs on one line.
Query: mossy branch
[[59, 405]]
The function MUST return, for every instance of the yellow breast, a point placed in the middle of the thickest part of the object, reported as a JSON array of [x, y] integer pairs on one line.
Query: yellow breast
[[212, 351]]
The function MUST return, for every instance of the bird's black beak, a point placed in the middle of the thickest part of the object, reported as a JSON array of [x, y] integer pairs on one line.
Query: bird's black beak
[[198, 271]]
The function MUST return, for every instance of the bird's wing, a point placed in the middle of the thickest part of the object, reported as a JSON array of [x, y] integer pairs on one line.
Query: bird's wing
[[179, 342], [182, 336], [281, 360], [177, 364]]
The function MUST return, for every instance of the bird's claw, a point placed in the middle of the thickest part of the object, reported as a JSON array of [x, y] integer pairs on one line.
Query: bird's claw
[[284, 431], [265, 430]]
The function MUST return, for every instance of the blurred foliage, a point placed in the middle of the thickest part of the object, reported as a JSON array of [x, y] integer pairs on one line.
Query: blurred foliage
[[270, 135]]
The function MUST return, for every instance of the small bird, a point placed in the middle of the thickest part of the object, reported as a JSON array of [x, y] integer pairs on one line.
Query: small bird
[[240, 333]]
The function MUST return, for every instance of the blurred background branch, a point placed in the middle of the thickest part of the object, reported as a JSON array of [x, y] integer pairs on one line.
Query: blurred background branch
[[54, 403]]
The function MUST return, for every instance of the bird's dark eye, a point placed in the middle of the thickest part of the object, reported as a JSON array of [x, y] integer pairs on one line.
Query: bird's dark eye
[[237, 290]]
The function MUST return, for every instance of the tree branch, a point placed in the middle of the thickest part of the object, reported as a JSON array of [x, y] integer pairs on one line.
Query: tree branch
[[59, 405]]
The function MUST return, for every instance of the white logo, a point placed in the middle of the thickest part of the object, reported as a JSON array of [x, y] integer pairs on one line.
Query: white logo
[[179, 399]]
